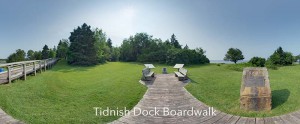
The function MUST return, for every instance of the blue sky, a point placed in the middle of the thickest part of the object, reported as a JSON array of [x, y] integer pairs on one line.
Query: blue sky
[[257, 27]]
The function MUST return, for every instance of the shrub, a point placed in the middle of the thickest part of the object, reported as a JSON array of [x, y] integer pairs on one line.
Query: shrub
[[238, 67], [257, 61], [280, 57], [270, 65]]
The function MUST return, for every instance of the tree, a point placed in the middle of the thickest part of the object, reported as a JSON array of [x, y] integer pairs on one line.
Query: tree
[[109, 43], [257, 61], [175, 42], [45, 52], [52, 53], [38, 55], [103, 50], [62, 49], [234, 55], [115, 54], [30, 55], [279, 57], [186, 47], [133, 47], [18, 56], [297, 58], [83, 49]]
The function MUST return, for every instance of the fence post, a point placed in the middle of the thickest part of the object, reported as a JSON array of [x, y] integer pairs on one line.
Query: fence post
[[34, 68], [9, 74], [24, 70], [40, 66], [45, 64]]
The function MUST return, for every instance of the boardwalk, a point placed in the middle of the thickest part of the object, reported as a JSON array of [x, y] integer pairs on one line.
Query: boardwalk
[[6, 119], [167, 92], [18, 70]]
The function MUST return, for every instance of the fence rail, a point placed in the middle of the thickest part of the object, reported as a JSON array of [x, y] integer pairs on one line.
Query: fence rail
[[18, 70]]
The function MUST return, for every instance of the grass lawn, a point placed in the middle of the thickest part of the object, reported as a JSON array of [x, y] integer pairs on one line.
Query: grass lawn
[[219, 86], [68, 94]]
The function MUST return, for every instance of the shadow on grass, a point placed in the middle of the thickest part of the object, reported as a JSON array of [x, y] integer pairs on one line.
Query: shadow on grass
[[193, 81], [279, 97], [62, 66]]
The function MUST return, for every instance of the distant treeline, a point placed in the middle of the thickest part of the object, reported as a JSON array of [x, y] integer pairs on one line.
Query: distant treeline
[[90, 47], [2, 61]]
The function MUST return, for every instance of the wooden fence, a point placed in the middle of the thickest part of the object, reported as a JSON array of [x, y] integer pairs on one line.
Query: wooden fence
[[18, 70]]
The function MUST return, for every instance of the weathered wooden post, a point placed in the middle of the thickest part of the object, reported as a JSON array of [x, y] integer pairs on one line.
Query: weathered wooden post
[[45, 64], [24, 71], [255, 90], [40, 68], [9, 73], [34, 68]]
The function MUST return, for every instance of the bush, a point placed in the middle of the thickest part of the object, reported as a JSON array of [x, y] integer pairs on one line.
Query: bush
[[270, 65], [186, 56], [257, 62], [280, 57], [238, 67]]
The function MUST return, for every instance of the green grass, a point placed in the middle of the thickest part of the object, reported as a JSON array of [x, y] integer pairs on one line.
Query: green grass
[[68, 94], [219, 86]]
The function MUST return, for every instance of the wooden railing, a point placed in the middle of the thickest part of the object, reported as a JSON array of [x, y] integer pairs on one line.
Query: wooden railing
[[18, 70]]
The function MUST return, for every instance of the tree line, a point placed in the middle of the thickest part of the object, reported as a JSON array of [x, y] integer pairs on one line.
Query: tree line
[[278, 58], [89, 47], [21, 55]]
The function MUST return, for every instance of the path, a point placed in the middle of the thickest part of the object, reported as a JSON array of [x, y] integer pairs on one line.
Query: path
[[6, 119], [167, 91]]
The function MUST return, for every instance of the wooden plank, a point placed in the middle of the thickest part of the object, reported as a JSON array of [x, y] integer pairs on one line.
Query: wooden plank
[[288, 119], [242, 120], [40, 66], [259, 121], [215, 118], [45, 65], [277, 120], [24, 71], [225, 119], [250, 121], [34, 68], [296, 114], [233, 120], [9, 74], [269, 120]]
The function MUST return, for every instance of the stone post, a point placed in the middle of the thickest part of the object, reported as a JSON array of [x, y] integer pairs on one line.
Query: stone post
[[255, 93]]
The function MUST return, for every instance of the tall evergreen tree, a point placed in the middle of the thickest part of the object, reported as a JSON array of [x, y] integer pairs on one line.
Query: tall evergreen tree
[[186, 47], [83, 50], [45, 52], [109, 43], [175, 42]]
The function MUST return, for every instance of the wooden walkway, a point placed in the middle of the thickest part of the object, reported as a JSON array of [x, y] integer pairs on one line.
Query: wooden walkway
[[17, 70], [167, 91], [6, 119]]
